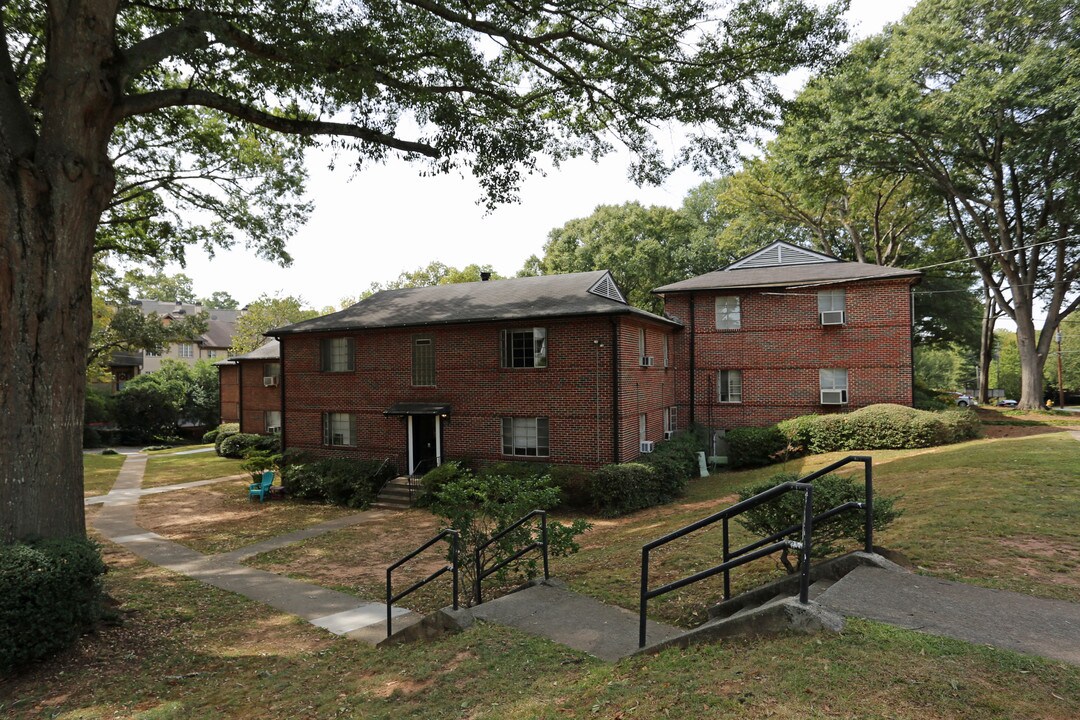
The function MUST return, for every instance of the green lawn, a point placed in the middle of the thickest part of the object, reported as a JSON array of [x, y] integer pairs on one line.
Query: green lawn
[[165, 467], [99, 473], [1000, 513], [187, 650]]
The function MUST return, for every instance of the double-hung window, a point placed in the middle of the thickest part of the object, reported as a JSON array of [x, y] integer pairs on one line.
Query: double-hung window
[[834, 386], [525, 348], [336, 354], [272, 421], [423, 361], [729, 384], [526, 437], [187, 350], [339, 429], [728, 313], [831, 306]]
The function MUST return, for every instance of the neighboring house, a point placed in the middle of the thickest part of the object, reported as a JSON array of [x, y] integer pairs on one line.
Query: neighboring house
[[250, 387], [211, 345], [561, 369], [787, 331], [556, 369]]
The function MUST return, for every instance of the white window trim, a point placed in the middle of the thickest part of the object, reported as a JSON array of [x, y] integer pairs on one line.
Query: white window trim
[[838, 394], [734, 314], [535, 436], [721, 391]]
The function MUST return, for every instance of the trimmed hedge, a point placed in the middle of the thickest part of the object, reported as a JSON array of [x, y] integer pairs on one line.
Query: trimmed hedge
[[880, 427], [50, 593], [755, 447], [620, 489], [236, 446], [339, 481], [224, 431], [210, 436]]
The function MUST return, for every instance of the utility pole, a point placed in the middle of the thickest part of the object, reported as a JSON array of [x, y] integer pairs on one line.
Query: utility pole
[[1061, 388]]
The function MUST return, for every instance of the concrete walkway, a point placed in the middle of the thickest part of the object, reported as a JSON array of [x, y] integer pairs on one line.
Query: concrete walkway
[[334, 611], [568, 618], [1008, 620], [140, 491]]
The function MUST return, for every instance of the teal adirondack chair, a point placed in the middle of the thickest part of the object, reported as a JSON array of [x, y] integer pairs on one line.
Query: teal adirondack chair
[[261, 488]]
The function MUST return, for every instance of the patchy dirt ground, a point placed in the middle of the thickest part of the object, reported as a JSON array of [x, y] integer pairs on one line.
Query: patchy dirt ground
[[996, 424], [359, 555], [219, 518]]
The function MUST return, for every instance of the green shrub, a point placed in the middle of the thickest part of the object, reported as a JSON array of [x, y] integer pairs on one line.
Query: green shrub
[[109, 451], [675, 462], [754, 447], [879, 427], [479, 507], [210, 435], [225, 430], [50, 593], [235, 446], [339, 481], [623, 488], [434, 479], [829, 491], [513, 469], [257, 462], [573, 483]]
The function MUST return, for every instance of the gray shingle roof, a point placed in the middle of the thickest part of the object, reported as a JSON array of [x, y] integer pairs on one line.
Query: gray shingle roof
[[788, 275], [269, 350], [218, 334], [528, 298]]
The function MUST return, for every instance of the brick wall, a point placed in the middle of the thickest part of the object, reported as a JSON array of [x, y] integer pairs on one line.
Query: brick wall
[[574, 391], [229, 393], [781, 346], [257, 397]]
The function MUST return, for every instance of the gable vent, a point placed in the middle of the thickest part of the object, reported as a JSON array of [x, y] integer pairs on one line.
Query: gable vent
[[780, 253], [606, 287]]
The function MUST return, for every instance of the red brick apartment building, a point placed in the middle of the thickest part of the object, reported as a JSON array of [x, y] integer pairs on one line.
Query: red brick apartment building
[[787, 331], [557, 368], [561, 369], [250, 389]]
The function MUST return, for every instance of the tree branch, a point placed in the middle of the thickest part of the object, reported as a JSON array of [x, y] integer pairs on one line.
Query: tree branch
[[144, 103]]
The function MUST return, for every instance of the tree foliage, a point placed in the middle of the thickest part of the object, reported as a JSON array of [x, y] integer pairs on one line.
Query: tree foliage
[[264, 314], [140, 129], [221, 300], [643, 247], [155, 404], [977, 100], [157, 285]]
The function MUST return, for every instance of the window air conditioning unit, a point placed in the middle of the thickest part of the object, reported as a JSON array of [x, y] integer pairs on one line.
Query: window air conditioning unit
[[668, 434], [647, 446], [833, 397], [269, 381], [646, 361], [833, 317], [274, 430]]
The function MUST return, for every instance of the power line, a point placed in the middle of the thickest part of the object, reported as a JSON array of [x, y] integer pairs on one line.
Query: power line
[[999, 252]]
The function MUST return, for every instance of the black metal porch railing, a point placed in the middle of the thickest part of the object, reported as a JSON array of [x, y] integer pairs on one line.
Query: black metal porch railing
[[765, 546], [452, 567], [482, 572]]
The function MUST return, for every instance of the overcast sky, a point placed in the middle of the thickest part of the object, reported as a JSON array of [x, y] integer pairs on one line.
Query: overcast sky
[[370, 227]]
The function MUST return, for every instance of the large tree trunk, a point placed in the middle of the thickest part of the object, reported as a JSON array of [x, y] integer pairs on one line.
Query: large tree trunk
[[56, 183], [986, 345], [1032, 359]]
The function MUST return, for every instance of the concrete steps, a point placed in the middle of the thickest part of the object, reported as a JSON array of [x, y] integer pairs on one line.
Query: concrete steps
[[398, 494]]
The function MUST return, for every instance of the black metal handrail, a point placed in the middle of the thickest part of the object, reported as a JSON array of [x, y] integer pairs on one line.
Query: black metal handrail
[[482, 573], [765, 546], [452, 567]]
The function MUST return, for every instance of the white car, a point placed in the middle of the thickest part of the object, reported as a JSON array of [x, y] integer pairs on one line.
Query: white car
[[964, 400], [1003, 402]]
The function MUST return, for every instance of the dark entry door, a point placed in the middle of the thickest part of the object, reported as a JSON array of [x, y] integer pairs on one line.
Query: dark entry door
[[423, 443]]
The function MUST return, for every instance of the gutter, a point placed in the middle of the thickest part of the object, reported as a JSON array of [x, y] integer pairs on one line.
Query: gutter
[[615, 454]]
